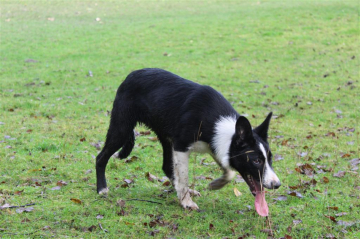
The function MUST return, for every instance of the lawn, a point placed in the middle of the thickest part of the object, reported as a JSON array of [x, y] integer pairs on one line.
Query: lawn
[[61, 64]]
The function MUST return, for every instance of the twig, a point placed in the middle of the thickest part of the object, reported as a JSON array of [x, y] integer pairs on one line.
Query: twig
[[142, 200], [102, 228], [30, 204]]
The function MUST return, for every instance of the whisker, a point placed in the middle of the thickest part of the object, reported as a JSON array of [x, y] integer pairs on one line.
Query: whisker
[[251, 151]]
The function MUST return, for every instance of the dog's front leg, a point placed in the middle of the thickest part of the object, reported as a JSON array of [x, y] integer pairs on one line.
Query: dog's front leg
[[181, 179], [223, 180]]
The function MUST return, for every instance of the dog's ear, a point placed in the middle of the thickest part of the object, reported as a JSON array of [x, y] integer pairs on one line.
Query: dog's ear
[[262, 130], [244, 130]]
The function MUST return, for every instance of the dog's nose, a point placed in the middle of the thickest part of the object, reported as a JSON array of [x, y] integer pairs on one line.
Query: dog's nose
[[275, 185]]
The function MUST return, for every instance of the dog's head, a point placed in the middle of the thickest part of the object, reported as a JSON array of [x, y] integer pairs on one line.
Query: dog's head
[[250, 155]]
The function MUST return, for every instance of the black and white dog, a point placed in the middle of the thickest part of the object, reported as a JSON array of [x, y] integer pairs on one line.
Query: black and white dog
[[188, 117]]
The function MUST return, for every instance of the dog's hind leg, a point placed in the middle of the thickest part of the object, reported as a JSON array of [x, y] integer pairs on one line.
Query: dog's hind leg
[[128, 147], [168, 165], [119, 133]]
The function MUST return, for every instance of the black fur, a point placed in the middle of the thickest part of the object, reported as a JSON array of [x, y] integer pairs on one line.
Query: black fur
[[175, 109]]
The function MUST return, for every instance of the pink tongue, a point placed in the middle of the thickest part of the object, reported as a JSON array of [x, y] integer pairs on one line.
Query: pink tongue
[[261, 206]]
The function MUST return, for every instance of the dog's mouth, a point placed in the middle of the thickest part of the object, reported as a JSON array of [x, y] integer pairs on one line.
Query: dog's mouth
[[257, 190]]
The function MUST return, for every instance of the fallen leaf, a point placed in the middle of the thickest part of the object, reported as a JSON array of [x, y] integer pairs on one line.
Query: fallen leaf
[[99, 216], [121, 203], [267, 231], [331, 218], [325, 180], [24, 209], [82, 139], [25, 220], [75, 200], [153, 138], [92, 228], [237, 192], [145, 132], [56, 188], [339, 174], [211, 226], [131, 159], [354, 161], [296, 222], [19, 192], [346, 224], [61, 183], [346, 156], [167, 183], [151, 177], [278, 157], [295, 194], [340, 214], [281, 198], [333, 208]]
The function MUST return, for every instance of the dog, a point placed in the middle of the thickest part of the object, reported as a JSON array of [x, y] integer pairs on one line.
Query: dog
[[188, 117]]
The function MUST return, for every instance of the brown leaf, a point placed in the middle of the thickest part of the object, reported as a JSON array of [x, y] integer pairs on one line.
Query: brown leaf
[[145, 132], [346, 156], [295, 194], [284, 142], [92, 228], [75, 200], [151, 177], [325, 180], [331, 218], [132, 159], [211, 226], [61, 183], [128, 181], [82, 139], [332, 134], [167, 183], [339, 174], [130, 223], [19, 192], [29, 131], [25, 220], [333, 208]]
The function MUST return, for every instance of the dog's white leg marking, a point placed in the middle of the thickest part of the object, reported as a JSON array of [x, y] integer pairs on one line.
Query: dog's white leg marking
[[181, 179], [269, 177], [104, 191]]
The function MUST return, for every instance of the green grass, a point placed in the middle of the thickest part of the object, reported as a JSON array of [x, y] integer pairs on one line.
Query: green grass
[[299, 52]]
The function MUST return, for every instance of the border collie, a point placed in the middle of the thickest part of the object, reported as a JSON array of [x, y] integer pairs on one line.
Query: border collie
[[188, 117]]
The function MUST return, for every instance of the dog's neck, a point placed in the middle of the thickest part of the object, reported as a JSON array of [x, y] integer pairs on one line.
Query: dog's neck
[[224, 131]]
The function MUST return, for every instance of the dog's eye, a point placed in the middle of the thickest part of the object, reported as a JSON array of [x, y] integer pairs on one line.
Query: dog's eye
[[257, 161]]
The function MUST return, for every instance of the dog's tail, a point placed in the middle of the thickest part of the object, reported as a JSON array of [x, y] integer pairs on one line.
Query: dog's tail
[[128, 147]]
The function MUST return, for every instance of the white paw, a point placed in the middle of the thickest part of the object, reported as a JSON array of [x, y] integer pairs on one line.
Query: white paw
[[104, 191], [187, 203], [194, 193]]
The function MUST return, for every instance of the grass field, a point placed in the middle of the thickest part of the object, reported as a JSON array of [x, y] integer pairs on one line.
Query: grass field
[[62, 61]]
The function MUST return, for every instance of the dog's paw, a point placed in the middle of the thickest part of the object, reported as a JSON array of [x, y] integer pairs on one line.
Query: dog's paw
[[189, 204], [218, 183], [103, 191], [194, 193]]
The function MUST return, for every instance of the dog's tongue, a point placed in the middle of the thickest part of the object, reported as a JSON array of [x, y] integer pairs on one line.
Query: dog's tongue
[[261, 206]]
